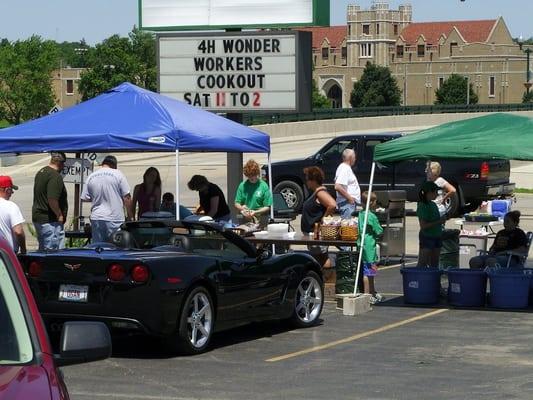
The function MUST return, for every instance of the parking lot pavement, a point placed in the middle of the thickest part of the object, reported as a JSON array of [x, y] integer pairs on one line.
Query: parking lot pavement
[[393, 352]]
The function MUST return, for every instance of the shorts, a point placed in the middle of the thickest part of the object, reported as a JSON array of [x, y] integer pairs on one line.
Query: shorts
[[317, 250], [370, 269], [428, 242]]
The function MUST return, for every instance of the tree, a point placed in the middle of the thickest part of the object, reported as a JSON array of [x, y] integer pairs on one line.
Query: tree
[[117, 60], [26, 79], [73, 54], [319, 100], [377, 87], [528, 97], [453, 91]]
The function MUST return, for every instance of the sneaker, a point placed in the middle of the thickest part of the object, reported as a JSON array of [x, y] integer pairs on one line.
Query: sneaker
[[379, 297], [373, 300]]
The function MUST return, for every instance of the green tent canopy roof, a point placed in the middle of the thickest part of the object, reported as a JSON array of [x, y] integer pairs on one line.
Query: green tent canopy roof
[[501, 136]]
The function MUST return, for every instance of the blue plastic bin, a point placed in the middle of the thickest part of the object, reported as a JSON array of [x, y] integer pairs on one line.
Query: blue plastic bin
[[509, 288], [467, 287], [421, 285], [529, 271]]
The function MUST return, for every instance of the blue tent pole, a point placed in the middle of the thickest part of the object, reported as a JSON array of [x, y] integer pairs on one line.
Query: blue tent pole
[[177, 185]]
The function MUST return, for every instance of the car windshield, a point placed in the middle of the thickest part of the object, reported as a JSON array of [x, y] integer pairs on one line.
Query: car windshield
[[15, 342]]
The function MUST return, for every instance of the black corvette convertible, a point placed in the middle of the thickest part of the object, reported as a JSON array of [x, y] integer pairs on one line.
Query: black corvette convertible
[[175, 279]]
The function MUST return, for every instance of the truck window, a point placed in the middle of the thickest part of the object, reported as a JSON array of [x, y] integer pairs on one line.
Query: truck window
[[368, 151], [334, 152]]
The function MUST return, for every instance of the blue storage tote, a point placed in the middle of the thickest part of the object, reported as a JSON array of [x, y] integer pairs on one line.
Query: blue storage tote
[[421, 285], [509, 288], [467, 287]]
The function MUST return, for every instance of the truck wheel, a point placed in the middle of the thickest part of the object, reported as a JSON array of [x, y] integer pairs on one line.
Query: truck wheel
[[292, 193], [452, 205], [472, 206]]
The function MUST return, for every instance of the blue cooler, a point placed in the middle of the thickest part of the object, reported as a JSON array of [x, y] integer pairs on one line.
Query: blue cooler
[[421, 285], [500, 207], [509, 288], [467, 287]]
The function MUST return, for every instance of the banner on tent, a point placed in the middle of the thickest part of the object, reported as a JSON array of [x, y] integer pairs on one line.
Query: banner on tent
[[72, 170], [263, 71]]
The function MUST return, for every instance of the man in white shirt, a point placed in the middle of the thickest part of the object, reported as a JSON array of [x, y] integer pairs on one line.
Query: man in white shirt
[[11, 219], [109, 192], [346, 185]]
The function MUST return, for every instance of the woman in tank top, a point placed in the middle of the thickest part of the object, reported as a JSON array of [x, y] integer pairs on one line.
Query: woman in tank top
[[318, 205], [148, 193]]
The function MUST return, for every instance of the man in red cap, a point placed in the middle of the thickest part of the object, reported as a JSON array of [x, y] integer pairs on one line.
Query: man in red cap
[[11, 218]]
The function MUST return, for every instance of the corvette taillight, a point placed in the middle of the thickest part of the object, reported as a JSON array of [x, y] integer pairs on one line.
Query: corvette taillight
[[116, 272], [484, 170], [140, 273], [35, 268]]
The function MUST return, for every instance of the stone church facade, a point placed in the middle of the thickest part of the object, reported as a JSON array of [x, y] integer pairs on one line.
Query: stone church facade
[[421, 55]]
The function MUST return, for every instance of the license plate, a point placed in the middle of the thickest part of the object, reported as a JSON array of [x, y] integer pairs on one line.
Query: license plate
[[73, 293]]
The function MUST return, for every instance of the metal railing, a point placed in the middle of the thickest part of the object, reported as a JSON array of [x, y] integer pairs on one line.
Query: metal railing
[[339, 113]]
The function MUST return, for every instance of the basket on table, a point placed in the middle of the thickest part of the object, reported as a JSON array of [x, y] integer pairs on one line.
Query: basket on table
[[329, 232], [349, 232]]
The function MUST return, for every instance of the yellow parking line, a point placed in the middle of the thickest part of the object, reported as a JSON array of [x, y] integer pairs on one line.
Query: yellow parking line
[[356, 337]]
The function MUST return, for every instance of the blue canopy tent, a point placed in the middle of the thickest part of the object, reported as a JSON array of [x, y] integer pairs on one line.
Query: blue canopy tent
[[128, 118]]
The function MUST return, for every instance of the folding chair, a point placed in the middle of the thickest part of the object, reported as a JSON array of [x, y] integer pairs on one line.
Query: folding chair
[[282, 212]]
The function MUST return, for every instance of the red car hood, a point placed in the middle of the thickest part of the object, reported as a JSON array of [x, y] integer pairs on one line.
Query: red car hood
[[24, 382]]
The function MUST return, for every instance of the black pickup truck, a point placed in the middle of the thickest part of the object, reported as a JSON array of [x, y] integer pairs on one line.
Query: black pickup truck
[[475, 180]]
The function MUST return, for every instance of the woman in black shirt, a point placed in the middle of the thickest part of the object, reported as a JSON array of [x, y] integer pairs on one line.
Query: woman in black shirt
[[212, 200], [317, 206], [511, 238]]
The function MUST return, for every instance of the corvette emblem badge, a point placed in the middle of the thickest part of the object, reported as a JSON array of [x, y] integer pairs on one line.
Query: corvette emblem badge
[[72, 267]]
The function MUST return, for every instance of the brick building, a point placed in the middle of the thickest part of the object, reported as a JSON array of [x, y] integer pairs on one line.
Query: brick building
[[420, 55], [65, 86]]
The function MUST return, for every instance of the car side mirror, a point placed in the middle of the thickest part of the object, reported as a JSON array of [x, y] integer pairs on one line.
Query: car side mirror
[[319, 159], [82, 342]]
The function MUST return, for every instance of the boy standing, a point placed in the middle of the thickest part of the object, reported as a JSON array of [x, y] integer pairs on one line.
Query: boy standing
[[370, 259]]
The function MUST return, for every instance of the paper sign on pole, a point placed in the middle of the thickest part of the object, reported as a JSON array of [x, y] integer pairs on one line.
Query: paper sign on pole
[[73, 168]]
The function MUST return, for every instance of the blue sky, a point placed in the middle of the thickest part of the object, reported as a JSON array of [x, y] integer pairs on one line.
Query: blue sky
[[96, 20]]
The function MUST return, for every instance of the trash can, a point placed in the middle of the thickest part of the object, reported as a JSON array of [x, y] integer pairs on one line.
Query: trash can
[[449, 253], [421, 285], [467, 287], [509, 288], [346, 267]]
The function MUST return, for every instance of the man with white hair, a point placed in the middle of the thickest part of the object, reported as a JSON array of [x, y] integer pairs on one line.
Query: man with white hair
[[346, 185]]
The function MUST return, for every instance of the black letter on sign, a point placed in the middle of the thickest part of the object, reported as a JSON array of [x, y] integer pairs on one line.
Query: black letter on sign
[[187, 97]]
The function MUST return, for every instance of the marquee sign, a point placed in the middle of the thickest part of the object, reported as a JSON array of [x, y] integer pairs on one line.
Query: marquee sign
[[235, 72], [165, 15]]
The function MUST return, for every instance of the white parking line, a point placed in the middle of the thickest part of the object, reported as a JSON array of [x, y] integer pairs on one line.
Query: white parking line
[[133, 397]]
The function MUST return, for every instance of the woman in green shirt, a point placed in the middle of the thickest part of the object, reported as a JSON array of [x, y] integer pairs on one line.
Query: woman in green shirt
[[430, 236], [253, 198]]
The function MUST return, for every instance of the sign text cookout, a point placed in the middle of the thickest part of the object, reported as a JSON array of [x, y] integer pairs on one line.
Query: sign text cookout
[[230, 72]]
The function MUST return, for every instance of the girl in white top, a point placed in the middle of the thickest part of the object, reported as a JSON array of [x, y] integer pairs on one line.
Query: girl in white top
[[447, 190]]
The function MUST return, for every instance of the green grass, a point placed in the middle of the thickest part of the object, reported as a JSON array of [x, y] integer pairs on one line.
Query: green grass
[[522, 190], [3, 123]]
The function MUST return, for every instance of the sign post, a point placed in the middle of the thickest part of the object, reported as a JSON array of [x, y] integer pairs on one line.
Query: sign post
[[76, 170]]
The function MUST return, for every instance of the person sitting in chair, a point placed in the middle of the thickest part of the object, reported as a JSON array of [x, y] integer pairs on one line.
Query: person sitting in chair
[[511, 238]]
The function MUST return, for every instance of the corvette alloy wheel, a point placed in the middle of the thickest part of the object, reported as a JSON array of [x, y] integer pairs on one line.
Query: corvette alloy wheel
[[199, 320], [309, 300]]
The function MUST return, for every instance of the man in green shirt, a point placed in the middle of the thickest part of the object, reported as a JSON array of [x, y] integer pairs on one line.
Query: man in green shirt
[[253, 198], [49, 210]]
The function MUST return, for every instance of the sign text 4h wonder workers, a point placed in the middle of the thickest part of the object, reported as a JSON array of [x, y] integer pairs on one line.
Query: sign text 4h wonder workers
[[236, 71], [245, 71]]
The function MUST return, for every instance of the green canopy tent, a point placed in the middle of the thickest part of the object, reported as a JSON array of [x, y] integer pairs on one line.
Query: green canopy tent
[[504, 136], [497, 136]]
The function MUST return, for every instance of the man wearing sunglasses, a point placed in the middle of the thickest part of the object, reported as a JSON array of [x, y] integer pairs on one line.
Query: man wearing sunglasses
[[11, 219]]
